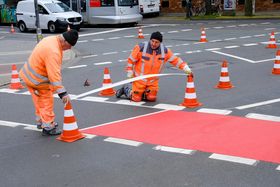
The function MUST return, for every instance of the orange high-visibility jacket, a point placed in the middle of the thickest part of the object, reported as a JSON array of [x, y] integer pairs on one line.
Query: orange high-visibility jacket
[[44, 65], [144, 60]]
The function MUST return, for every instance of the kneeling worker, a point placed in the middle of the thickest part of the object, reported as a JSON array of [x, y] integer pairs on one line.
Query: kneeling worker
[[149, 58]]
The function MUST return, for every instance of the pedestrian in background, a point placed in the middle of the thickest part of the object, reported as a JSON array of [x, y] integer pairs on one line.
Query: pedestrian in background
[[42, 76], [149, 58]]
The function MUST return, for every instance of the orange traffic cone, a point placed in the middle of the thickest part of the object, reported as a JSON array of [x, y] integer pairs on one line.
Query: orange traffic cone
[[203, 36], [107, 82], [190, 100], [224, 82], [276, 66], [70, 131], [272, 42], [68, 28], [140, 33], [12, 29], [15, 82]]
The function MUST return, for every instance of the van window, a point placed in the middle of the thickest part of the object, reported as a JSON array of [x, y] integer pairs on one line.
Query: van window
[[128, 2], [42, 10], [57, 7]]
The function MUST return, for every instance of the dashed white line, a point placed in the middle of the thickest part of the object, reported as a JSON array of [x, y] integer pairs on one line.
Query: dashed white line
[[267, 29], [123, 141], [227, 39], [259, 35], [218, 27], [235, 159], [215, 41], [169, 107], [230, 26], [114, 38], [263, 117], [213, 49], [243, 37], [258, 104], [214, 111], [251, 44], [102, 63], [89, 56], [233, 56], [110, 53], [185, 30], [130, 36], [96, 40], [74, 67], [170, 32], [82, 41], [231, 47], [174, 150]]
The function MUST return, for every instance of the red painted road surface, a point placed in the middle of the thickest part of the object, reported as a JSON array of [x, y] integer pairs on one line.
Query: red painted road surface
[[229, 135]]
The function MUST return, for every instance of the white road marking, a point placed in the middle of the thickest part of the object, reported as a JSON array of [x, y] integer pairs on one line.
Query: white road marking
[[235, 159], [94, 99], [177, 54], [174, 150], [123, 141], [169, 46], [129, 102], [98, 39], [6, 90], [9, 124], [110, 53], [114, 38], [190, 52], [214, 111], [227, 39], [74, 67], [233, 56], [278, 168], [89, 56], [267, 29], [170, 32], [169, 107], [243, 25], [218, 27], [265, 23], [215, 41], [230, 26], [89, 136], [213, 49], [14, 53], [185, 30], [186, 44], [259, 35], [129, 36], [82, 41], [102, 63], [122, 60], [265, 60], [263, 117], [6, 64], [242, 37], [258, 104], [231, 47], [251, 44]]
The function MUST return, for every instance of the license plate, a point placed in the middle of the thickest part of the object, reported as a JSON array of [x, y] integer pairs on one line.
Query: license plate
[[76, 23]]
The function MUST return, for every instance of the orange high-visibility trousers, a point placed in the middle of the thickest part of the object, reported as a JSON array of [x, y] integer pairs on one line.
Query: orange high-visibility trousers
[[43, 102], [138, 88]]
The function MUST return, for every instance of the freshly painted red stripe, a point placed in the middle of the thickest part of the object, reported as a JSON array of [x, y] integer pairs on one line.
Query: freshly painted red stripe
[[229, 135]]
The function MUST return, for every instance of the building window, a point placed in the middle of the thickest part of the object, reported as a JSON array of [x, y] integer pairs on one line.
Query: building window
[[241, 2], [276, 1], [165, 3]]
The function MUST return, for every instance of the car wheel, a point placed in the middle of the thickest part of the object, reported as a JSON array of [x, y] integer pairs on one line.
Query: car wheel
[[22, 26], [51, 27]]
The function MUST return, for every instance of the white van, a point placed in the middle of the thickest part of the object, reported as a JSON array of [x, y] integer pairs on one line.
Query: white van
[[149, 7], [53, 15]]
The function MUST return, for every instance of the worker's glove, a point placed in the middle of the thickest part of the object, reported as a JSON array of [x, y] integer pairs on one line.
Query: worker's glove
[[187, 70], [129, 74], [65, 99]]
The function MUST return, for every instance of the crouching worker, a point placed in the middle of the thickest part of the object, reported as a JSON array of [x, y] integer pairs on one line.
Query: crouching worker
[[148, 58], [42, 76]]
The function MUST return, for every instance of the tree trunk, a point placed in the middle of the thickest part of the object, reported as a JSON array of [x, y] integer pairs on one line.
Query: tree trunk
[[248, 7], [208, 7]]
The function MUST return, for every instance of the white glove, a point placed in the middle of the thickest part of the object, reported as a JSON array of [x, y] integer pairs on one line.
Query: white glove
[[187, 70], [129, 74]]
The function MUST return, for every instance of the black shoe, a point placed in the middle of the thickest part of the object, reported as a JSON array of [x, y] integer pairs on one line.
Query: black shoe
[[52, 132], [39, 125], [120, 92]]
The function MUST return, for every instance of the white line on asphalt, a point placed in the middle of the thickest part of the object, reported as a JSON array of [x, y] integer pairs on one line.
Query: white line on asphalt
[[213, 49], [235, 159], [170, 32], [8, 124], [177, 54], [15, 53], [243, 25], [258, 104], [263, 117], [6, 64], [242, 37], [186, 44], [169, 46], [227, 39], [174, 150], [114, 38], [117, 121], [89, 56], [215, 41], [218, 27], [278, 168], [82, 41], [169, 107], [231, 26], [110, 53], [122, 60], [102, 63], [251, 44], [233, 56], [231, 47], [265, 23], [267, 29], [129, 36], [185, 30], [259, 35], [6, 90], [214, 111], [129, 102], [265, 60], [123, 141], [94, 99], [96, 40], [74, 67], [190, 52]]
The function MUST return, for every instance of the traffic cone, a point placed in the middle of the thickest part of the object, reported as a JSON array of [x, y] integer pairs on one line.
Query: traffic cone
[[140, 33], [12, 29], [276, 66], [68, 28], [224, 82], [15, 82], [70, 131], [86, 83], [190, 100], [107, 82], [203, 35], [272, 42]]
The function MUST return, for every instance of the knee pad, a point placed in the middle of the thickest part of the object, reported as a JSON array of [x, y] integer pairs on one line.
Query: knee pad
[[151, 95], [136, 96]]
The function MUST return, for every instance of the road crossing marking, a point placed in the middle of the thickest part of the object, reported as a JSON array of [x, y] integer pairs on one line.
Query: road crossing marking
[[234, 159], [258, 104], [123, 141], [263, 117], [214, 111], [174, 150], [233, 56]]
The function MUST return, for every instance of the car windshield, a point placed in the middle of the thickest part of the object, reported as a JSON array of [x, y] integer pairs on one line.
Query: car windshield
[[127, 2], [58, 7]]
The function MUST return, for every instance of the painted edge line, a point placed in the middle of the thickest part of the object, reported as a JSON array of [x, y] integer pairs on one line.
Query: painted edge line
[[174, 150], [214, 111], [263, 117], [258, 104], [278, 168], [235, 159], [123, 141]]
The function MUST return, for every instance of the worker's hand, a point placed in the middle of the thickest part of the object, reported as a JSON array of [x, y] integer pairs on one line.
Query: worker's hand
[[65, 99], [129, 74], [187, 70]]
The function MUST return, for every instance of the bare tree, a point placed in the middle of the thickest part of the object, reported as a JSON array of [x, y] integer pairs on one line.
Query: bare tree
[[248, 7]]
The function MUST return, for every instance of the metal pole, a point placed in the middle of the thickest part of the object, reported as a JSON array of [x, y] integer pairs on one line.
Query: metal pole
[[37, 23]]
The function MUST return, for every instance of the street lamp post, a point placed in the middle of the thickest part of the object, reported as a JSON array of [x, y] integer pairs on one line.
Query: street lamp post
[[38, 29]]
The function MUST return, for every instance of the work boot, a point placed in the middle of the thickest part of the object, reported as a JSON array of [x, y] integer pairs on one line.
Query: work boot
[[120, 92], [39, 124], [52, 132]]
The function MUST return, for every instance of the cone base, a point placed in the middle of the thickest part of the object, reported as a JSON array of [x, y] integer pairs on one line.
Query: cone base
[[16, 86], [275, 72], [271, 46], [107, 93], [224, 87], [191, 105], [141, 37], [69, 138], [203, 40]]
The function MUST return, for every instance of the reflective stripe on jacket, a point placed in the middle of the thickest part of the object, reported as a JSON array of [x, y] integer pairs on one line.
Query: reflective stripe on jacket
[[44, 65], [144, 60]]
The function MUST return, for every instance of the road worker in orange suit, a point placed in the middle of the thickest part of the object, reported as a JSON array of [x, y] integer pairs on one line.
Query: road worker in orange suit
[[42, 76], [149, 58]]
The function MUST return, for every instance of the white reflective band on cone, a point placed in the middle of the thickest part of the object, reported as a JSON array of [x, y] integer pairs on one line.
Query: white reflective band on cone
[[68, 113], [106, 76], [224, 79], [276, 66], [203, 36], [14, 72], [272, 36], [190, 85], [70, 126], [106, 84], [190, 95], [277, 58], [224, 70], [15, 80]]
